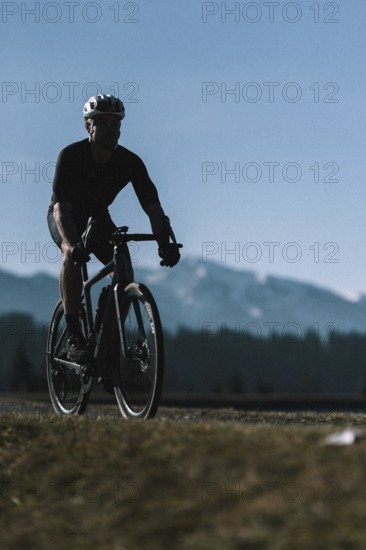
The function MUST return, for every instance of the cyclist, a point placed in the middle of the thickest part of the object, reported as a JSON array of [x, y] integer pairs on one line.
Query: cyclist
[[89, 174]]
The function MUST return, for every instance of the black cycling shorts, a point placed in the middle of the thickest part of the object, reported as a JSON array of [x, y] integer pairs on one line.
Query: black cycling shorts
[[100, 245]]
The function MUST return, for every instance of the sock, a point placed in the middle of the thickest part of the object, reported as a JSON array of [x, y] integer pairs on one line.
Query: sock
[[72, 323]]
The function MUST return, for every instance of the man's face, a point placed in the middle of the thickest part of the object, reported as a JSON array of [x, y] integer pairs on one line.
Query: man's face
[[104, 130]]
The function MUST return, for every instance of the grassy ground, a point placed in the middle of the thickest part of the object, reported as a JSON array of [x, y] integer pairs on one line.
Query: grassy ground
[[190, 479]]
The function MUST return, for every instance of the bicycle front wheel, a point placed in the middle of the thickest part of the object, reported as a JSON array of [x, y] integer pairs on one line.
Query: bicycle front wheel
[[68, 390], [138, 372]]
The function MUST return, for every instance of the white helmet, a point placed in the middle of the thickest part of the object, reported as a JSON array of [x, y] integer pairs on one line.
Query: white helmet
[[104, 104]]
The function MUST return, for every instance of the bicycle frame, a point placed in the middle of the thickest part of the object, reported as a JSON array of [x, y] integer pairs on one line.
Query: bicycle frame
[[121, 267], [88, 283], [123, 275]]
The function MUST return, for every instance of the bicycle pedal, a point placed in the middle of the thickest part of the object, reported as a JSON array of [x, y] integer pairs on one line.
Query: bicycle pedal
[[87, 370]]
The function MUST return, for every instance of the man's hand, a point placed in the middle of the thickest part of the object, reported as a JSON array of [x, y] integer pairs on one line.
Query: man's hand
[[169, 252], [79, 255]]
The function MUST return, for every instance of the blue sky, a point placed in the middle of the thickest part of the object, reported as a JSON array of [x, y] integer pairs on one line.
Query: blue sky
[[274, 185]]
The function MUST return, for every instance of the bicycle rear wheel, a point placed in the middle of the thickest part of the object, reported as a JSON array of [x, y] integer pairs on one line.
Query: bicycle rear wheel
[[69, 391], [138, 372]]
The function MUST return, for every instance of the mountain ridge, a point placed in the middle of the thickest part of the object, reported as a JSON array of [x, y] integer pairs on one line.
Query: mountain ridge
[[198, 295]]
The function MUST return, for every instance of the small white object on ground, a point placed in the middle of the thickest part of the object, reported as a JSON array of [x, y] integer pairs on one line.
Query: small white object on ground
[[347, 437]]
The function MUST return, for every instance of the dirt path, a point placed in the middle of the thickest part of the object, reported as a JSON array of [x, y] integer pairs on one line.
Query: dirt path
[[41, 407]]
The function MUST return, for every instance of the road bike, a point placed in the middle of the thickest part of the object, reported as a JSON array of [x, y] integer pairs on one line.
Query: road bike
[[124, 337]]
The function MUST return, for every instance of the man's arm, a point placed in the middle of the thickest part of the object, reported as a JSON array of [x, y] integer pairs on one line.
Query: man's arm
[[149, 200], [156, 215], [65, 224], [71, 241], [168, 251]]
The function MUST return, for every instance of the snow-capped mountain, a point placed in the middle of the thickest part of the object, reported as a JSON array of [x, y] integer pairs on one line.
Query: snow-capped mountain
[[211, 297]]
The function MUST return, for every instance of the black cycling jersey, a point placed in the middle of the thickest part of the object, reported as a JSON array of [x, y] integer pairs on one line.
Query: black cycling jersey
[[90, 187]]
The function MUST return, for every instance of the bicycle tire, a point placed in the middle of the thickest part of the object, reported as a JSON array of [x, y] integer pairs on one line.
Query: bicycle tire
[[138, 372], [68, 392]]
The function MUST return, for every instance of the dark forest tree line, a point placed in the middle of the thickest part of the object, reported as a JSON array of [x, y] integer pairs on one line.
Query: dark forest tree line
[[196, 363]]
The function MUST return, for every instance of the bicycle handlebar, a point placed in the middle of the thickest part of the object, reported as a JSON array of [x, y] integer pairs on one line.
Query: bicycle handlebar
[[121, 236], [124, 237]]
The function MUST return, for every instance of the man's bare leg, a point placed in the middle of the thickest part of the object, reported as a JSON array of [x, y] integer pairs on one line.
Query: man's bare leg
[[70, 283], [70, 288]]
